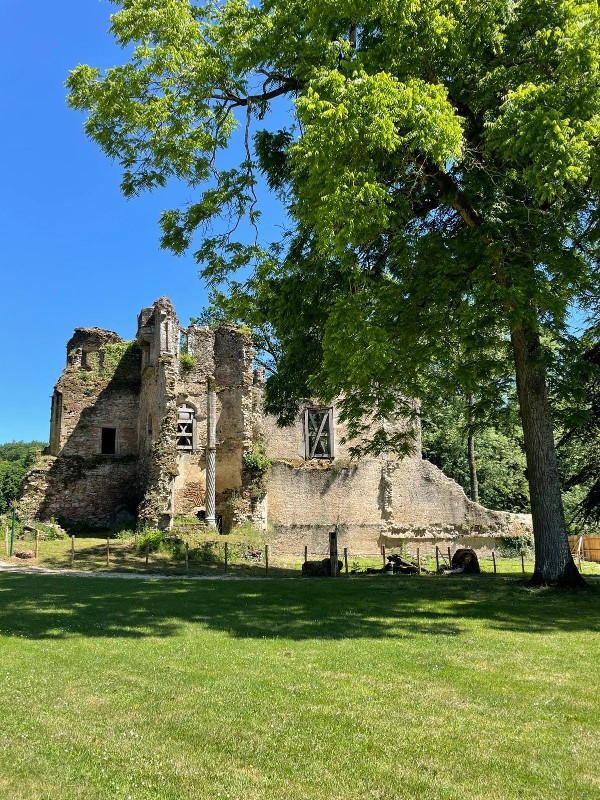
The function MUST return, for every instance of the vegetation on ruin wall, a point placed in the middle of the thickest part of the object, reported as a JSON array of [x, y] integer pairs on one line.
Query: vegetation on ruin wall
[[15, 460], [119, 366], [258, 465], [296, 685]]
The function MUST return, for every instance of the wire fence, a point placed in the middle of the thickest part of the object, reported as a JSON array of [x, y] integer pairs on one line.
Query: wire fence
[[220, 555]]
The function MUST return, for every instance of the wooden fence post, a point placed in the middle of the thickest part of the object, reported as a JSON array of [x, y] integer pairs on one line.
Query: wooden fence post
[[187, 558], [266, 559], [72, 550], [383, 554], [37, 544], [437, 558], [449, 559], [226, 555], [346, 559], [494, 560], [333, 553], [419, 559], [147, 552], [305, 553], [523, 561]]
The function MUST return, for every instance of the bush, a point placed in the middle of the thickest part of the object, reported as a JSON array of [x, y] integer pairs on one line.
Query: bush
[[187, 361], [513, 546], [258, 464], [151, 541]]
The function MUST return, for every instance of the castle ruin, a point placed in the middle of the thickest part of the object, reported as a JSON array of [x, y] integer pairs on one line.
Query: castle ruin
[[172, 424]]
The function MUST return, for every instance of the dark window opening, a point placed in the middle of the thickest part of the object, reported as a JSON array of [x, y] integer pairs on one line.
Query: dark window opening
[[108, 445], [318, 432]]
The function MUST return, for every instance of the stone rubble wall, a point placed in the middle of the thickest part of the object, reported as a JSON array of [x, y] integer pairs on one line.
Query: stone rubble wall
[[98, 388], [92, 491]]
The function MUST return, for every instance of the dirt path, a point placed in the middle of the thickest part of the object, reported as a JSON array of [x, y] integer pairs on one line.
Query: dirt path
[[30, 570]]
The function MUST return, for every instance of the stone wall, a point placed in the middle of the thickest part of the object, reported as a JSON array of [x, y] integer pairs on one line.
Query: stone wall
[[158, 338], [376, 501]]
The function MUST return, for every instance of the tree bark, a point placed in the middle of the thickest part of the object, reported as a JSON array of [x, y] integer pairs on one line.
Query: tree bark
[[473, 482], [554, 564]]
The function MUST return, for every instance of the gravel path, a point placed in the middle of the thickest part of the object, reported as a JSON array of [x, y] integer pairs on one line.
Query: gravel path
[[4, 567]]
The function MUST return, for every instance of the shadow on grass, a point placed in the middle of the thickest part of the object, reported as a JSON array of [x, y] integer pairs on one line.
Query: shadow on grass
[[39, 607]]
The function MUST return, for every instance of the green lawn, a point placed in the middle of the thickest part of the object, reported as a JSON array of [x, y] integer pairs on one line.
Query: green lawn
[[294, 689]]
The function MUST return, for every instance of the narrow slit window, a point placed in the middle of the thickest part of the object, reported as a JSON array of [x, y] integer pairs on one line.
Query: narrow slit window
[[185, 427], [318, 432], [108, 442]]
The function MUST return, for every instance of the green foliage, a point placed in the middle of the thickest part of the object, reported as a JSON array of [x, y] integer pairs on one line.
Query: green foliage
[[513, 546], [187, 361], [151, 541], [576, 389], [258, 465], [501, 466], [15, 460]]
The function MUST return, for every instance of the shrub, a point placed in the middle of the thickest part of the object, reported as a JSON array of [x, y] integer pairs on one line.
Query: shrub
[[512, 546], [257, 464], [151, 541], [187, 361]]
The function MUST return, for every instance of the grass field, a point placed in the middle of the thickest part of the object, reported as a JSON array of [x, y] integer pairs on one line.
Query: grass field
[[294, 689]]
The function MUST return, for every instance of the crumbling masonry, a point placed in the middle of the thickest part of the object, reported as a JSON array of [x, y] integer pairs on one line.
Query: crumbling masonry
[[172, 424]]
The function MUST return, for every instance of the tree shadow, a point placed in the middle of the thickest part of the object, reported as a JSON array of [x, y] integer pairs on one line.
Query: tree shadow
[[55, 607]]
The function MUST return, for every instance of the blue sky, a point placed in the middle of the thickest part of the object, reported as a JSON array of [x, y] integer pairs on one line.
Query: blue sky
[[74, 251]]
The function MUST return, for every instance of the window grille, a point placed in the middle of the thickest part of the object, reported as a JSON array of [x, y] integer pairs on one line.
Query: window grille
[[185, 427], [318, 432]]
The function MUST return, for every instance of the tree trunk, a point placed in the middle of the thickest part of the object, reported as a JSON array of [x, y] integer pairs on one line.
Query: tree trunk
[[554, 564], [473, 482]]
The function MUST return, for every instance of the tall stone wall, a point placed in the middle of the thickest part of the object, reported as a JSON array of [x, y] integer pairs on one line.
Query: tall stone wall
[[376, 502], [158, 338], [192, 389]]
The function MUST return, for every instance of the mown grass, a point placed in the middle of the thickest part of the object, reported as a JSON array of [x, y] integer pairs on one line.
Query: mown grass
[[420, 687]]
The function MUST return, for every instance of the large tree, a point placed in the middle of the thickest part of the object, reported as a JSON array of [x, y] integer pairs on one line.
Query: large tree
[[443, 155]]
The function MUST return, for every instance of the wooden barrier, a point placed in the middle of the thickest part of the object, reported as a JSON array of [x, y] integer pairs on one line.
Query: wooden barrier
[[586, 547], [591, 548]]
